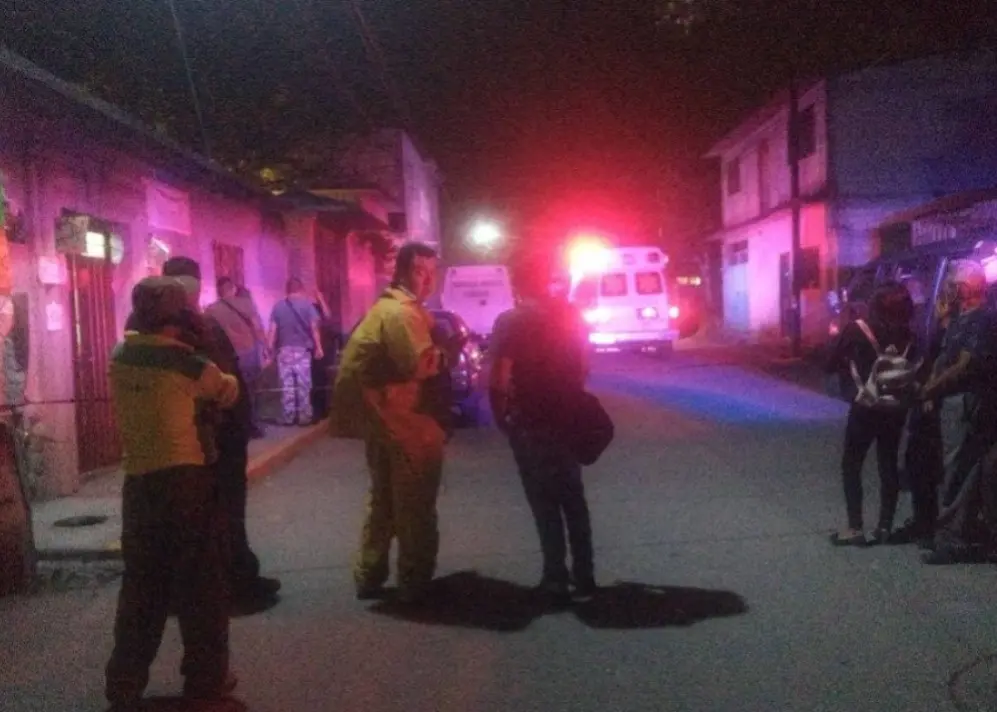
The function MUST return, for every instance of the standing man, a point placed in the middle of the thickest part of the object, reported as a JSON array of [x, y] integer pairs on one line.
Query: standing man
[[237, 315], [538, 356], [294, 337], [380, 396], [171, 540], [230, 434], [966, 372]]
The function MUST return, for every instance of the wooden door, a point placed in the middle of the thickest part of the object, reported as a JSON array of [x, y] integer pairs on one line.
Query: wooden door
[[94, 335]]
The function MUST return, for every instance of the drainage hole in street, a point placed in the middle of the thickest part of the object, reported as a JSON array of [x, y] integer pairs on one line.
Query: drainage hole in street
[[84, 520]]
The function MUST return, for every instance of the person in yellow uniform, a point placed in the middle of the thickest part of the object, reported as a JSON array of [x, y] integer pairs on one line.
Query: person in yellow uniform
[[380, 395], [170, 538]]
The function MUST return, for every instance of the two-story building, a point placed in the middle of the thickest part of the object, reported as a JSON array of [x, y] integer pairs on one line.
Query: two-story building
[[871, 143]]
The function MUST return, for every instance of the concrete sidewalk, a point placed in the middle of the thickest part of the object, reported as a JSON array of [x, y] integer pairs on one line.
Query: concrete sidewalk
[[772, 358], [87, 524]]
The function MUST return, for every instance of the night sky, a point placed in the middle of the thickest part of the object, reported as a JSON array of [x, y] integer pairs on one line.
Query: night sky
[[549, 113]]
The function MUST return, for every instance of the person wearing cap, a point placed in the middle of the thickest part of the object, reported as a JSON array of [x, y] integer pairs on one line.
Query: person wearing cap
[[380, 395], [170, 540], [538, 364], [966, 372], [227, 433]]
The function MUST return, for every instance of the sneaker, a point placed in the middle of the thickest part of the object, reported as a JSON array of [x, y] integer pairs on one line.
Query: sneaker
[[879, 536]]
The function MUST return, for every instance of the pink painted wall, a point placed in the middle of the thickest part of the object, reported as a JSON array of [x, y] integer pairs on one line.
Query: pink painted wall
[[109, 185]]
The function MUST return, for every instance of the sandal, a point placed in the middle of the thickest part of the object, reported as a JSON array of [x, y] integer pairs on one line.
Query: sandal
[[848, 537]]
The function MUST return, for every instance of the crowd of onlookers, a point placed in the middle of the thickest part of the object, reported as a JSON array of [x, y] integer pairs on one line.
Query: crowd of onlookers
[[928, 402]]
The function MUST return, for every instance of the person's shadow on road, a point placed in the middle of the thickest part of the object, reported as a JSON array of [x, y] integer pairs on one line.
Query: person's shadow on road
[[629, 605], [467, 599]]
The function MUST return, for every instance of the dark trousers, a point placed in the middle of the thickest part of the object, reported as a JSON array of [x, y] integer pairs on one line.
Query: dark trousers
[[925, 458], [866, 426], [173, 542], [320, 387], [230, 471], [552, 480], [251, 368], [963, 496]]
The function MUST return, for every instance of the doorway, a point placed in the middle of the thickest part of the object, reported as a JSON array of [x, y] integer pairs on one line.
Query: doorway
[[93, 335]]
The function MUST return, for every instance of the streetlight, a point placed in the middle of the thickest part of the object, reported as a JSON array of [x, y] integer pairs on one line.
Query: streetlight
[[485, 234]]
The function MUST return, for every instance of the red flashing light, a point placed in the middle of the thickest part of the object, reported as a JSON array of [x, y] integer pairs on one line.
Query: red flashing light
[[673, 312]]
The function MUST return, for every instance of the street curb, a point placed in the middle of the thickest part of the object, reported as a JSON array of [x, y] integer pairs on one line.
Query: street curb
[[264, 464], [260, 467]]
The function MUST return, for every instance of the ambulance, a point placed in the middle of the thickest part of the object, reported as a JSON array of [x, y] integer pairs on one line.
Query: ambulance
[[478, 293], [622, 293]]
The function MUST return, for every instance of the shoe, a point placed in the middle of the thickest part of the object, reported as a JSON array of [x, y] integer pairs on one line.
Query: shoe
[[370, 592], [584, 591], [909, 533], [945, 556], [196, 692], [266, 585], [411, 595], [848, 537], [879, 536], [557, 594]]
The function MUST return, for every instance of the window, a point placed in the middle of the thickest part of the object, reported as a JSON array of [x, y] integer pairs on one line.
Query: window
[[737, 253], [649, 283], [734, 176], [229, 262], [807, 136], [614, 285]]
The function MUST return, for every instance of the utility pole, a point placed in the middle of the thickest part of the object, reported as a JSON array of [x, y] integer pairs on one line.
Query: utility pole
[[796, 325]]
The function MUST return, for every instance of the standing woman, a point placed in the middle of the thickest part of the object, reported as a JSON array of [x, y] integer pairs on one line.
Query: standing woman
[[890, 312]]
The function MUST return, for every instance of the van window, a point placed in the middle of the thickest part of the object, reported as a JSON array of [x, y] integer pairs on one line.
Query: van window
[[649, 283], [614, 285]]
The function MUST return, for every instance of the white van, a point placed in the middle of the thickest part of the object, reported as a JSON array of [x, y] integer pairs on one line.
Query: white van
[[478, 293], [623, 297]]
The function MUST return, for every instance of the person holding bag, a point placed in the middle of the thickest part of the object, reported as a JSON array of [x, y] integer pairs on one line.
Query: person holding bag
[[537, 393], [294, 337]]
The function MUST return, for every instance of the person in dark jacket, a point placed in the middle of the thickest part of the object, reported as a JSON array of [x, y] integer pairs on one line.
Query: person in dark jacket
[[538, 353], [226, 438], [890, 313]]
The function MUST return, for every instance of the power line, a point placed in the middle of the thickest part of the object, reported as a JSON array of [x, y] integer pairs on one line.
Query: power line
[[376, 56], [190, 80]]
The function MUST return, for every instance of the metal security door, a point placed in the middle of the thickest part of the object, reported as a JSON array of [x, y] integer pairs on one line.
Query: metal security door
[[93, 336]]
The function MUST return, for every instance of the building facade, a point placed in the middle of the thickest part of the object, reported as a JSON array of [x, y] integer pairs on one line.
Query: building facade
[[390, 160], [95, 202], [871, 143]]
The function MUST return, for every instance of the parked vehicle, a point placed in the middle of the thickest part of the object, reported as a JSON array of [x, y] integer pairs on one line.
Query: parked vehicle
[[478, 293], [464, 371], [623, 295], [922, 271]]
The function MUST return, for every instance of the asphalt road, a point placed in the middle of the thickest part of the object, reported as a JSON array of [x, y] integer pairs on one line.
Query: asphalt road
[[711, 513]]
